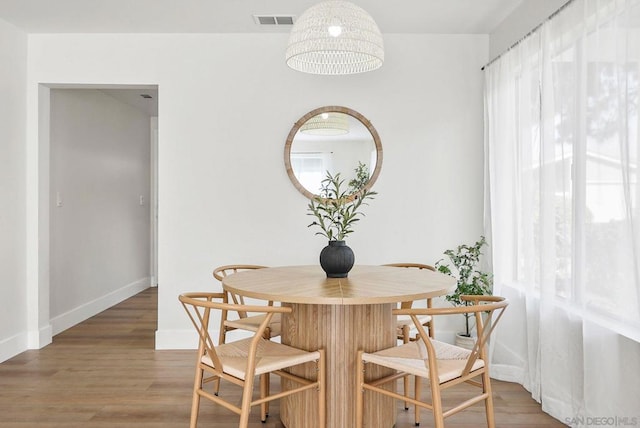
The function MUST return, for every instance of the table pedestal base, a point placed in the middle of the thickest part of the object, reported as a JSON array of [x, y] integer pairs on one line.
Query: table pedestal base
[[341, 330]]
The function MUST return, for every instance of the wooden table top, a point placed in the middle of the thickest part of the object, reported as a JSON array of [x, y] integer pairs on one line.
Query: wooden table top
[[365, 285]]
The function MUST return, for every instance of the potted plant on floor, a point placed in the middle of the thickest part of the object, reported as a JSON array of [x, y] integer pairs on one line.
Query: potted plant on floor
[[470, 281], [336, 209]]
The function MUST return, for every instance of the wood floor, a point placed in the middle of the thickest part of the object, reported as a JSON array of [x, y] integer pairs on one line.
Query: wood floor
[[104, 372]]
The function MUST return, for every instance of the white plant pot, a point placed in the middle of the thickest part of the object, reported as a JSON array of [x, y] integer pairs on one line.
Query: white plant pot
[[465, 341]]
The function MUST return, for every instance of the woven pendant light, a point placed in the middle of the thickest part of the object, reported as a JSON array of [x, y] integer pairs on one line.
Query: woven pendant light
[[335, 37]]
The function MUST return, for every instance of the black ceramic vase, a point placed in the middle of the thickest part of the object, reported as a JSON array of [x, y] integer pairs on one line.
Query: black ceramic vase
[[337, 259]]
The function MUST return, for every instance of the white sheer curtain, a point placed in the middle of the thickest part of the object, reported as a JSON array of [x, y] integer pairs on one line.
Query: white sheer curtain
[[562, 142]]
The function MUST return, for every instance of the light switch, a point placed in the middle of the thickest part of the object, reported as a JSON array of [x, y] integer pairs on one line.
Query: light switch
[[58, 199], [141, 200]]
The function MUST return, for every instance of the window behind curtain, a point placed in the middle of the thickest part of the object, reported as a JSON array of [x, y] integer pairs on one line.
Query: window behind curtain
[[573, 106], [562, 142]]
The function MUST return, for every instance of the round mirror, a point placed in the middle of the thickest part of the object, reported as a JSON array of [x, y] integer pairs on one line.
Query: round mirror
[[332, 139]]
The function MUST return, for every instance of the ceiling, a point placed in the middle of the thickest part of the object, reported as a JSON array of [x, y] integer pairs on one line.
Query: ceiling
[[236, 16]]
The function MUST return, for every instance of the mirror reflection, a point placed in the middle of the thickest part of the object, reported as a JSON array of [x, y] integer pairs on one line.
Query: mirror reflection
[[333, 139]]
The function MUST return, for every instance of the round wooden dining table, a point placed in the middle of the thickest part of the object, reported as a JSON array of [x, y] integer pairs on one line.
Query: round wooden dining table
[[341, 315]]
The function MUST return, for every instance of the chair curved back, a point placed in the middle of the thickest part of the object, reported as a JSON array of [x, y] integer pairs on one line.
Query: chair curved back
[[223, 271], [199, 305]]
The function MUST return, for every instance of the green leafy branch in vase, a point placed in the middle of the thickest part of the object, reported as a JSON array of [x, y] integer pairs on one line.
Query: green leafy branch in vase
[[337, 208]]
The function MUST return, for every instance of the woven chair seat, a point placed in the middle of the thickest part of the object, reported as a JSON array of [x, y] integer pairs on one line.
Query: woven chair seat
[[412, 358], [271, 356]]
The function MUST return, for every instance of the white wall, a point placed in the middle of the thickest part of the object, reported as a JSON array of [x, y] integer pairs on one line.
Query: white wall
[[228, 103], [525, 18], [13, 68], [99, 230]]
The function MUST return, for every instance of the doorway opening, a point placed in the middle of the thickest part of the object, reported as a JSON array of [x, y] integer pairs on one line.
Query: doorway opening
[[98, 198]]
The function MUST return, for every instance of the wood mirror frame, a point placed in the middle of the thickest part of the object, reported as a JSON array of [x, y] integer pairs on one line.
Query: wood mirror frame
[[332, 109]]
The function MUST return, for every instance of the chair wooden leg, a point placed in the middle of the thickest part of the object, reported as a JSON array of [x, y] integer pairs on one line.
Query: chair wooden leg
[[406, 331], [488, 404], [438, 419], [221, 340], [247, 393], [265, 408], [195, 401], [268, 385], [417, 393], [405, 382], [322, 393], [430, 322], [264, 385], [360, 391]]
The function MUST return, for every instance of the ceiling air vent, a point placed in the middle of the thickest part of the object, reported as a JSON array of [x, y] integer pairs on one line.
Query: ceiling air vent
[[273, 19]]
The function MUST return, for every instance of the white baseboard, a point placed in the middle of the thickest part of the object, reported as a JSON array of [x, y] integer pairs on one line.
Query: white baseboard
[[89, 309], [41, 338], [12, 346], [507, 373]]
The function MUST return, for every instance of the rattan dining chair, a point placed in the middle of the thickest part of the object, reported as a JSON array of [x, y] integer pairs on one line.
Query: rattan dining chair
[[453, 365], [404, 324], [243, 321], [240, 361]]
